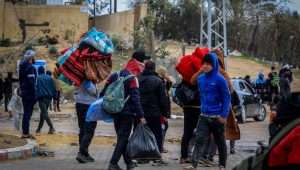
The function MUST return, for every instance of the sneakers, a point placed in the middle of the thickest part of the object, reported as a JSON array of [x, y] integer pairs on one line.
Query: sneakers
[[84, 159], [114, 167], [131, 166], [185, 161], [221, 168], [51, 131], [90, 158]]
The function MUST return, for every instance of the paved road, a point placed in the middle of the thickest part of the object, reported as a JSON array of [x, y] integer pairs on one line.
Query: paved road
[[65, 154]]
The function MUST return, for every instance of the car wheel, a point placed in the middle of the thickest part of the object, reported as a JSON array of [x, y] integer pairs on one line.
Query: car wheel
[[242, 114], [262, 114]]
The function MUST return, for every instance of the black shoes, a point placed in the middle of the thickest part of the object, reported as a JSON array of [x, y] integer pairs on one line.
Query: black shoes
[[84, 159], [114, 167], [51, 131], [131, 166]]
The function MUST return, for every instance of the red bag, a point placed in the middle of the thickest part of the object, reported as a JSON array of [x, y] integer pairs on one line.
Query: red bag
[[190, 64]]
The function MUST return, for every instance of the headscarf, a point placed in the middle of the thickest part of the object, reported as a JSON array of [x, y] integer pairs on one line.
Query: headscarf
[[29, 54], [134, 67]]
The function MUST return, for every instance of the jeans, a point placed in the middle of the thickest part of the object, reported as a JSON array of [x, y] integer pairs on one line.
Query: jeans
[[155, 126], [89, 131], [81, 110], [191, 116], [7, 97], [56, 101], [207, 126], [164, 133], [28, 109], [209, 148], [123, 126], [44, 104]]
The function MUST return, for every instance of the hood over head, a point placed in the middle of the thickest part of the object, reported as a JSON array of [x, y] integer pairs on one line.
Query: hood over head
[[41, 70], [214, 61]]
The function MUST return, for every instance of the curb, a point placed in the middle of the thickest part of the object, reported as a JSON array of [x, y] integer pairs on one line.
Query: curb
[[21, 152]]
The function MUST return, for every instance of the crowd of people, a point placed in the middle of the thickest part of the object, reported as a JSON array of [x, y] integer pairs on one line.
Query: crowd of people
[[208, 118], [276, 85]]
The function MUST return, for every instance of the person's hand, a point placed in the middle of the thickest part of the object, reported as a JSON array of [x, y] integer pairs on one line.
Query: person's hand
[[222, 120], [143, 121]]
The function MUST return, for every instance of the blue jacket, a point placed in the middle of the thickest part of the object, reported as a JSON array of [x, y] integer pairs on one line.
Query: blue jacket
[[214, 92], [45, 86], [27, 77], [133, 106]]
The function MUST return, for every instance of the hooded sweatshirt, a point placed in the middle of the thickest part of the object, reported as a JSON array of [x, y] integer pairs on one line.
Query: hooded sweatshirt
[[45, 86], [214, 91]]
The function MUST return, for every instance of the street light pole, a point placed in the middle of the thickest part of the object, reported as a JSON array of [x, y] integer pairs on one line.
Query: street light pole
[[94, 23]]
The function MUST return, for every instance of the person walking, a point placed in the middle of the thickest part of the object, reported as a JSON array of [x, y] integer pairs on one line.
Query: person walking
[[1, 87], [273, 84], [56, 101], [84, 96], [123, 122], [8, 90], [215, 105], [27, 76], [45, 91], [162, 73], [285, 87], [154, 100]]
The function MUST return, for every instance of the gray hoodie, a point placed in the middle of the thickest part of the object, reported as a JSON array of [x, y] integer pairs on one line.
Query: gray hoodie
[[86, 94]]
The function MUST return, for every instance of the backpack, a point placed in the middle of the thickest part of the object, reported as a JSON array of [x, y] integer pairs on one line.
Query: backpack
[[114, 97], [182, 94]]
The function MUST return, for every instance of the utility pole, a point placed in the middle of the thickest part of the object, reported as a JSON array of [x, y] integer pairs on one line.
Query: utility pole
[[213, 24], [94, 12], [115, 6], [3, 20]]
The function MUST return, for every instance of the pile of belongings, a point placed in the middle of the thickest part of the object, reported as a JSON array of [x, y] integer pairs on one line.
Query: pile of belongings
[[188, 65], [89, 60]]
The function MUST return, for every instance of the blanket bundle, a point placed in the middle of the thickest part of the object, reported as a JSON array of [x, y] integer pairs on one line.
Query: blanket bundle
[[90, 60], [188, 65]]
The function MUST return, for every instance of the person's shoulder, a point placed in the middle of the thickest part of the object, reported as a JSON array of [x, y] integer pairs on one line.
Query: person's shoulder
[[220, 78]]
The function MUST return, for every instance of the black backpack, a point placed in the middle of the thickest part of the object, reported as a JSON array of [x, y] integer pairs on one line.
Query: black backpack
[[183, 93]]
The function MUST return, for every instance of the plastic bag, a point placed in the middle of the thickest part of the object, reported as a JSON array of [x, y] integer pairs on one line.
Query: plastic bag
[[95, 113], [98, 40], [142, 144], [15, 104]]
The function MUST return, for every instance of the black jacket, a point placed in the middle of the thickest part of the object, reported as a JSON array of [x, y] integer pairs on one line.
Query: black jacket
[[154, 96], [27, 76]]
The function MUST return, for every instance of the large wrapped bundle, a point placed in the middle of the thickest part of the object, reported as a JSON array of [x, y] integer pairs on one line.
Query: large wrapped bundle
[[98, 40], [91, 60], [188, 65]]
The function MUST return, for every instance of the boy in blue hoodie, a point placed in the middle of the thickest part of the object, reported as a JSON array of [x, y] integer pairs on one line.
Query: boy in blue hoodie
[[45, 91], [215, 103]]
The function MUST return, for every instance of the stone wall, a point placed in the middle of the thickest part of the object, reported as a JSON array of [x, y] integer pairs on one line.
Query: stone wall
[[62, 19], [121, 24]]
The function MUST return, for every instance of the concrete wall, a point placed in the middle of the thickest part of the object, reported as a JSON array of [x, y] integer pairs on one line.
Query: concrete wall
[[61, 19], [122, 23]]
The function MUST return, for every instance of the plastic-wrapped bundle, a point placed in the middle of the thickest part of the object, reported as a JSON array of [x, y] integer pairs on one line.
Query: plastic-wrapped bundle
[[98, 40]]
